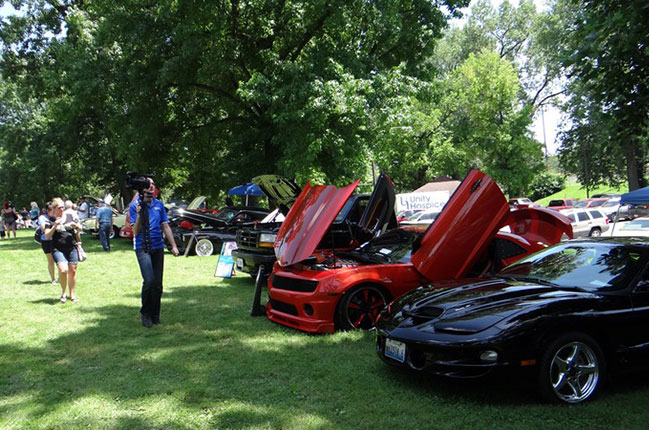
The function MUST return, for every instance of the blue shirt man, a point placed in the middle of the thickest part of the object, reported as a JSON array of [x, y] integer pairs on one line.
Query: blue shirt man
[[151, 260], [104, 215], [104, 223], [157, 216]]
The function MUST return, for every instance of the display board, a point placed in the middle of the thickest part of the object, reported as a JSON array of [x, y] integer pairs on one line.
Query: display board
[[225, 265]]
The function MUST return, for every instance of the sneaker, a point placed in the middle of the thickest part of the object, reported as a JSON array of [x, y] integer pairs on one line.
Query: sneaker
[[55, 282], [146, 321], [63, 299]]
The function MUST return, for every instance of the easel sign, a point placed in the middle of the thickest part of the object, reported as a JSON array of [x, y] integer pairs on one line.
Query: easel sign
[[225, 265]]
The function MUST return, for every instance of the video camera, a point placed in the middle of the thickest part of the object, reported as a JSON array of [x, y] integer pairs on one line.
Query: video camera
[[137, 181]]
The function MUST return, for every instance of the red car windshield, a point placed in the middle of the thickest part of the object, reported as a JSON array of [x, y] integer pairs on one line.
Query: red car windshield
[[395, 246]]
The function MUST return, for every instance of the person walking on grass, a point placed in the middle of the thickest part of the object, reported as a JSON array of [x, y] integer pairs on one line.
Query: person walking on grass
[[104, 223], [65, 238], [45, 221], [149, 250], [10, 217]]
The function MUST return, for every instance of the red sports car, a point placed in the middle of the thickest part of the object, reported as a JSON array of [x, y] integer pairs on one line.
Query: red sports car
[[475, 232]]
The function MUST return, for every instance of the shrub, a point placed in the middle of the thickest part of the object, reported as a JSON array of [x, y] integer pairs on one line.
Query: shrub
[[545, 184]]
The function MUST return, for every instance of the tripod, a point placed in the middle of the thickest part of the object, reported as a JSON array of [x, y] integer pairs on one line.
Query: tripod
[[144, 220]]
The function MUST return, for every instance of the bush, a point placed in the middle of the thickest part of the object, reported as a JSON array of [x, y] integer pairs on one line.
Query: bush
[[545, 184]]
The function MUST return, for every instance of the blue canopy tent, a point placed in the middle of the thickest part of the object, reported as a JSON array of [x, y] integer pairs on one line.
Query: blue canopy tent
[[245, 190], [636, 197]]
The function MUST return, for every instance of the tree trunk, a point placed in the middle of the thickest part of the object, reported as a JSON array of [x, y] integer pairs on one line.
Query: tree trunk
[[631, 164]]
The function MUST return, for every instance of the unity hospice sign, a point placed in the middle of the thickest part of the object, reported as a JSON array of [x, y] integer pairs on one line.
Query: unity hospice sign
[[422, 201]]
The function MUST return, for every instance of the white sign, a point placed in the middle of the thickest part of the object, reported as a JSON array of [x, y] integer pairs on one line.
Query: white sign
[[422, 201]]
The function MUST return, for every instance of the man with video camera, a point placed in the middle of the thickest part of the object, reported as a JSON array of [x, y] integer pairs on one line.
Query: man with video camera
[[149, 220]]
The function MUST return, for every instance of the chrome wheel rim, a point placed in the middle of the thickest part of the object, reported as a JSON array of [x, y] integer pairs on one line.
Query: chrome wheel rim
[[595, 233], [364, 307], [204, 248], [574, 372]]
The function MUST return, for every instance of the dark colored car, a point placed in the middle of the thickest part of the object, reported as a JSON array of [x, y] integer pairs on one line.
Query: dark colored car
[[255, 243], [571, 313], [205, 231]]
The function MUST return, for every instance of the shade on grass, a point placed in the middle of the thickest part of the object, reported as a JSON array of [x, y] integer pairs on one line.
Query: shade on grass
[[209, 365]]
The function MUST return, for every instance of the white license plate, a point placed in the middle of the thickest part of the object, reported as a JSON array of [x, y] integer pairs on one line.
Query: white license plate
[[239, 263], [395, 350]]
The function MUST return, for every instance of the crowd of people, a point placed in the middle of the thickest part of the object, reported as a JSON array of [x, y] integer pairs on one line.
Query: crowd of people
[[58, 228]]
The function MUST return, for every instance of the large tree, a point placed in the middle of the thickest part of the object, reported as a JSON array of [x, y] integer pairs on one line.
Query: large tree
[[208, 95], [607, 56]]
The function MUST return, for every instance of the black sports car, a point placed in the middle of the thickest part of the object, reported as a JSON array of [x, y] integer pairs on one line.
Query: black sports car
[[571, 313]]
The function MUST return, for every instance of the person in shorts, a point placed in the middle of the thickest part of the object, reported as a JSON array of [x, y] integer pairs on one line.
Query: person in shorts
[[46, 221], [64, 249], [9, 217]]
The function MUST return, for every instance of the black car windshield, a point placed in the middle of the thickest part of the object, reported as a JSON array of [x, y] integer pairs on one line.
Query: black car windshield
[[587, 266], [226, 214], [394, 246]]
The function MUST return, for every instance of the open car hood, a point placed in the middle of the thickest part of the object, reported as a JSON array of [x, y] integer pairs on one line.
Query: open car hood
[[462, 231], [280, 190], [308, 220], [539, 225], [379, 214]]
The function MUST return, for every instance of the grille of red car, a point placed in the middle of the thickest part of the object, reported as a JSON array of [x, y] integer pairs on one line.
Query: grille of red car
[[292, 284], [283, 307]]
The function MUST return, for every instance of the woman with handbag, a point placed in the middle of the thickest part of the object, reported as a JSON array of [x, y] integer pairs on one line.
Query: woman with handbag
[[65, 238]]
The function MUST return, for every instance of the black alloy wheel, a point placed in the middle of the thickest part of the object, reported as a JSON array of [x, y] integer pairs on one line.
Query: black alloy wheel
[[572, 370], [595, 232], [360, 307]]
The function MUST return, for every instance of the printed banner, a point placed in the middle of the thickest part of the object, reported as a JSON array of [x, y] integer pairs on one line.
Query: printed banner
[[422, 201]]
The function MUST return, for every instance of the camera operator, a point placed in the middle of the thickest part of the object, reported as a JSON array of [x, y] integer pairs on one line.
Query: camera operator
[[149, 249]]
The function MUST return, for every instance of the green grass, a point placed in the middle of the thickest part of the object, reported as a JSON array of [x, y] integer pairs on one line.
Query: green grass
[[209, 365], [576, 191]]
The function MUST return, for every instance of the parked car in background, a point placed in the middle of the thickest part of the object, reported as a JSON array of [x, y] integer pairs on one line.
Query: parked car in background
[[590, 203], [421, 218], [255, 243], [614, 211], [404, 215], [558, 204], [568, 315], [587, 222], [638, 227], [203, 232], [522, 202], [605, 196]]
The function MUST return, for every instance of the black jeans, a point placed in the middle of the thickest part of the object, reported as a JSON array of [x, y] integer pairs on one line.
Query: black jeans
[[151, 266]]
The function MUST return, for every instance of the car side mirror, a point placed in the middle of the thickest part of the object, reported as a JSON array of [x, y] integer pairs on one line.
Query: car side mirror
[[643, 286]]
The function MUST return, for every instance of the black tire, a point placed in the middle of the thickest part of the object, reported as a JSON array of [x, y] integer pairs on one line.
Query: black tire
[[360, 307], [572, 369], [595, 232], [204, 247]]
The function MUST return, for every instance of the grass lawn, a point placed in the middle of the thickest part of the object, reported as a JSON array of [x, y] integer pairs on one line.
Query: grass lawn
[[209, 365], [576, 191]]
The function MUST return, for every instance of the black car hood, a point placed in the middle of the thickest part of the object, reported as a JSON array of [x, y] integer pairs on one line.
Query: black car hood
[[196, 217], [475, 305]]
